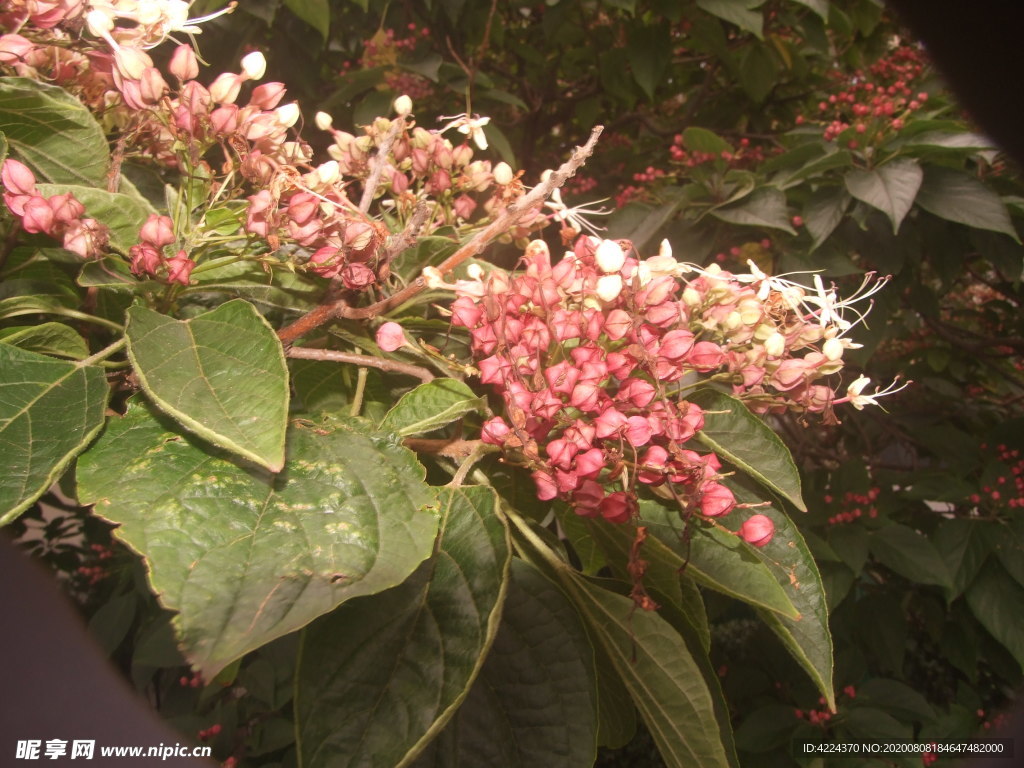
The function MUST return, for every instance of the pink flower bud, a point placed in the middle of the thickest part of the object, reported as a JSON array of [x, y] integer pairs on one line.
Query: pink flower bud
[[590, 462], [145, 259], [37, 216], [546, 488], [609, 422], [131, 63], [562, 377], [65, 208], [716, 500], [357, 276], [179, 267], [267, 96], [494, 431], [464, 205], [390, 337], [637, 431], [561, 452], [706, 356], [17, 178], [676, 344], [636, 391], [617, 324], [14, 49], [86, 237], [224, 90], [157, 231], [757, 530], [617, 507], [588, 497], [184, 64]]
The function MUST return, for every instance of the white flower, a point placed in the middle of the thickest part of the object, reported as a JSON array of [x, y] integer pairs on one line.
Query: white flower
[[403, 105], [609, 256], [323, 121], [468, 126], [575, 215], [254, 65], [503, 173], [609, 287], [858, 400]]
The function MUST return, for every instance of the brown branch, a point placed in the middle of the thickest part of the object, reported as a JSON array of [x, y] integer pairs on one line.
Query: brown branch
[[452, 448], [367, 361], [407, 236], [370, 188], [504, 221]]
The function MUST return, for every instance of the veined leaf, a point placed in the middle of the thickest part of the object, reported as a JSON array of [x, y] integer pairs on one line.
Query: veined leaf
[[746, 441], [52, 132], [222, 375], [243, 556], [431, 406], [891, 188], [50, 410], [381, 676], [535, 700]]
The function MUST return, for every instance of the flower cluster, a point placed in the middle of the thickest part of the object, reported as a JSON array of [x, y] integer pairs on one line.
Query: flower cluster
[[59, 216], [593, 356]]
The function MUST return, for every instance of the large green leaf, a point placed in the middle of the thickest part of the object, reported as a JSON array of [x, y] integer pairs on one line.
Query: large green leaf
[[735, 434], [997, 601], [535, 701], [955, 196], [52, 132], [649, 50], [431, 406], [823, 212], [244, 556], [55, 339], [222, 375], [662, 677], [765, 208], [807, 636], [738, 12], [49, 411], [381, 676], [910, 554], [316, 13], [717, 559], [891, 188], [123, 214]]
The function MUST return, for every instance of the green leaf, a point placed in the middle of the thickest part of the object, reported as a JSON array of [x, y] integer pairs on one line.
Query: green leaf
[[244, 557], [820, 7], [49, 411], [896, 698], [964, 546], [891, 188], [661, 676], [743, 439], [380, 676], [702, 140], [758, 72], [48, 339], [997, 601], [765, 208], [823, 212], [737, 12], [973, 142], [123, 214], [316, 13], [955, 196], [51, 131], [649, 51], [910, 554], [535, 701], [647, 225], [431, 406], [807, 636], [717, 559], [222, 375]]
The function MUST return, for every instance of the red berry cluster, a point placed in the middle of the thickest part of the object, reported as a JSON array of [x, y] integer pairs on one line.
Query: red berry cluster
[[853, 506], [191, 681], [384, 50], [1008, 488], [866, 107], [94, 574]]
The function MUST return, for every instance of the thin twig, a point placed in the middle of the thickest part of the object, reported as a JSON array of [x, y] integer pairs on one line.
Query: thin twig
[[504, 221], [379, 161], [368, 361], [452, 448]]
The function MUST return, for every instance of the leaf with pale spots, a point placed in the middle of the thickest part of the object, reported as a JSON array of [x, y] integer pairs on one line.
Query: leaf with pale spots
[[222, 375], [380, 676], [243, 556]]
